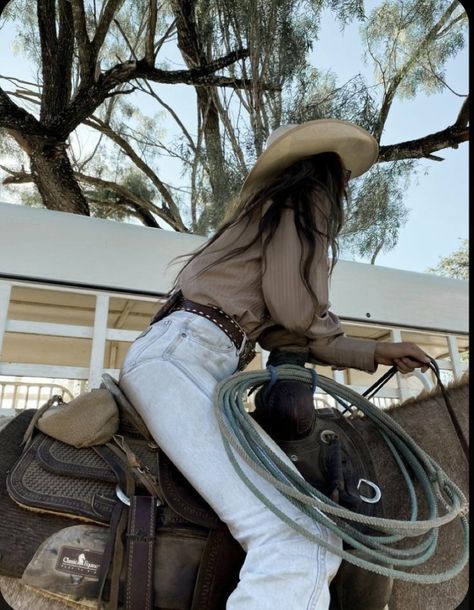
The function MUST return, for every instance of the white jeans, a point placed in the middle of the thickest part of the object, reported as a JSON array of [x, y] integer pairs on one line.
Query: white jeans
[[169, 375]]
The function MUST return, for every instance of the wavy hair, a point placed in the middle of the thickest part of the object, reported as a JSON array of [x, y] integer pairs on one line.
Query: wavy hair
[[315, 182]]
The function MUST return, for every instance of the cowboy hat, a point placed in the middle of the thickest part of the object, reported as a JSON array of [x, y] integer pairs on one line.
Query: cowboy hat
[[290, 143]]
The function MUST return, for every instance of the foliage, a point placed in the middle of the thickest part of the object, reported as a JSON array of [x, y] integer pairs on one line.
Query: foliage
[[376, 211], [454, 265], [135, 153]]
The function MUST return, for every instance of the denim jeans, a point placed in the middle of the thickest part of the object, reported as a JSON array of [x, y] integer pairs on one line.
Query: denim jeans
[[169, 375]]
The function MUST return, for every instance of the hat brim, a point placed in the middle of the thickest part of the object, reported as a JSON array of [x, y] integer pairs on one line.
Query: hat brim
[[356, 147]]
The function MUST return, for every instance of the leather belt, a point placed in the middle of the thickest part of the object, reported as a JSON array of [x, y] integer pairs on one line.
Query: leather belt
[[214, 314]]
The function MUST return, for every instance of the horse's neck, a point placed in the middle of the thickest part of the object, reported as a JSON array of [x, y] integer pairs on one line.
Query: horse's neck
[[430, 412]]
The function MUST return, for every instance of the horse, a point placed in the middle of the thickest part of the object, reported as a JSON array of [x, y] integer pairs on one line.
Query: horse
[[428, 422]]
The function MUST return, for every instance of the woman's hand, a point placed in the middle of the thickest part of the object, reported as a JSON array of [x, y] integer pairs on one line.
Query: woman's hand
[[405, 356]]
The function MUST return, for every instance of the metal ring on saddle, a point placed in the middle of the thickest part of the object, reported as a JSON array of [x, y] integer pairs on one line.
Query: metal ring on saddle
[[377, 493], [122, 496], [327, 436]]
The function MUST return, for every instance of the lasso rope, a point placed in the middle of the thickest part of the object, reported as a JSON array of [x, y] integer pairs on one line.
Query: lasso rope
[[241, 438]]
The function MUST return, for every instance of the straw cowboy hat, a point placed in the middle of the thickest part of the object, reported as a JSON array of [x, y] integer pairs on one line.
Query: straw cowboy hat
[[290, 143]]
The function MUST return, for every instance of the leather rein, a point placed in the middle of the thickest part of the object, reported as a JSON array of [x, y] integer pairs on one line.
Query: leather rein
[[434, 367]]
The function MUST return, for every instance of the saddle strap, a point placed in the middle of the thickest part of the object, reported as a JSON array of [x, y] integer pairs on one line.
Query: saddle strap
[[140, 553], [218, 573]]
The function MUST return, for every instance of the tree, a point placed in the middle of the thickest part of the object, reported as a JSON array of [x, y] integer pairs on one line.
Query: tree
[[454, 265], [248, 64], [74, 85]]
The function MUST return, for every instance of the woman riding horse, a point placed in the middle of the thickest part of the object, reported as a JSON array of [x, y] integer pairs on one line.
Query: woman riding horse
[[262, 278]]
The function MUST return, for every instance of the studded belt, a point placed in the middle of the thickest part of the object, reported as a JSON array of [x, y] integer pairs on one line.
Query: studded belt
[[214, 314]]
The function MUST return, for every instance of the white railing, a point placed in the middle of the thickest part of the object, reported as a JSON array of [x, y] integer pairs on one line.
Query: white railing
[[16, 395], [98, 334], [103, 332]]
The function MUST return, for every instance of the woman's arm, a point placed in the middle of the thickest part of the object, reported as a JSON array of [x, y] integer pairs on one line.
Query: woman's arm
[[301, 324], [298, 320], [405, 356]]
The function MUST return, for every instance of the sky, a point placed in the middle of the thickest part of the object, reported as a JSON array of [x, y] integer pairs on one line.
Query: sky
[[437, 198]]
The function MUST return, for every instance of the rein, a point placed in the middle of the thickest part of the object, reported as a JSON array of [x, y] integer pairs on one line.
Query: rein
[[433, 365], [241, 437]]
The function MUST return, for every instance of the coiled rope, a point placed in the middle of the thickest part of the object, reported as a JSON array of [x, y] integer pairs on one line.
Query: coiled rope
[[241, 438]]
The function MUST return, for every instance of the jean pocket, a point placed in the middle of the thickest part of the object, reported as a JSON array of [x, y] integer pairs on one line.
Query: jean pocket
[[211, 338], [147, 339]]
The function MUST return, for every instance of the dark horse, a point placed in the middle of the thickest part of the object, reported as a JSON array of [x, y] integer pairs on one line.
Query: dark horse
[[425, 418]]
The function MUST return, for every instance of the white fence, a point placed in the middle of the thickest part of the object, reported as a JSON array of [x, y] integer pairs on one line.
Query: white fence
[[29, 349], [76, 291], [15, 395]]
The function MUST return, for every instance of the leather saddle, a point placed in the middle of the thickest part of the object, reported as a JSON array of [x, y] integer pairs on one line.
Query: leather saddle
[[334, 458], [146, 519], [196, 561]]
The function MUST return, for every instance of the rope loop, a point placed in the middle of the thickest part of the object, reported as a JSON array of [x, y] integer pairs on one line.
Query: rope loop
[[244, 445]]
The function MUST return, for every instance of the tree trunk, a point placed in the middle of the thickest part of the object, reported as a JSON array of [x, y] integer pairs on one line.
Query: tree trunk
[[192, 44], [53, 176]]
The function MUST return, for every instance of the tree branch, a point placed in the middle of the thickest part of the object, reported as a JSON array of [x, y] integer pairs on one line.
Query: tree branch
[[169, 31], [107, 14], [49, 51], [3, 5], [22, 177], [91, 96], [56, 57], [150, 35], [420, 148], [96, 123], [402, 72], [17, 119], [84, 45], [16, 177], [124, 192], [463, 116], [133, 209], [149, 91]]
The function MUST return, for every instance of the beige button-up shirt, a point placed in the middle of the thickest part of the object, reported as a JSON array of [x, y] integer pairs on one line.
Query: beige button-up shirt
[[268, 298]]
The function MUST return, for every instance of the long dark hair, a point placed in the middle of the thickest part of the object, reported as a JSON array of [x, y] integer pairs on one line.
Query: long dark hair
[[315, 182]]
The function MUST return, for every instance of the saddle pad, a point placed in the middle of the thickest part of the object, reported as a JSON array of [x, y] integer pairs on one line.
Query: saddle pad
[[21, 531], [82, 496], [55, 477]]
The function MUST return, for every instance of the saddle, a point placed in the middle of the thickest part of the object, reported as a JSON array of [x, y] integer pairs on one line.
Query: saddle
[[334, 458], [146, 539], [142, 538]]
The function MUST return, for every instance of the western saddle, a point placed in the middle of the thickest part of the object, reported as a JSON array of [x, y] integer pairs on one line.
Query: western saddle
[[142, 538]]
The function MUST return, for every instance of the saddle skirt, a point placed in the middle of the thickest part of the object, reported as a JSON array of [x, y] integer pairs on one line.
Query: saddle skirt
[[53, 476]]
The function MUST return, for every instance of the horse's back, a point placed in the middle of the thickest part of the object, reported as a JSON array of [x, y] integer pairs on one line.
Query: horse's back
[[428, 423]]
